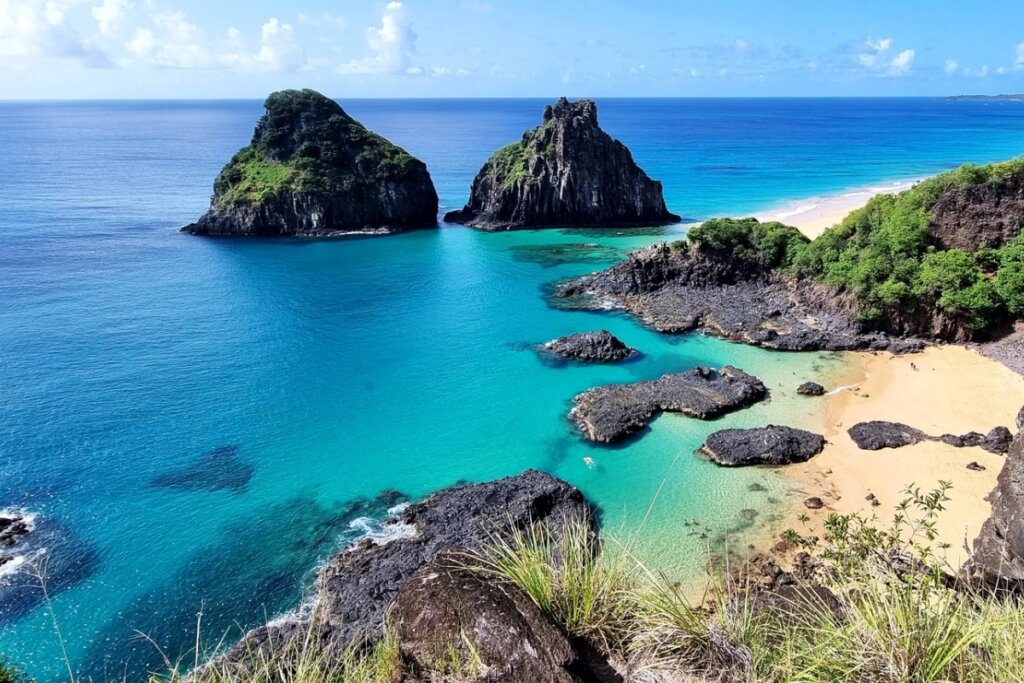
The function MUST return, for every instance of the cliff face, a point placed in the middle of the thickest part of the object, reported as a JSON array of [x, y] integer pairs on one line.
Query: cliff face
[[981, 215], [567, 171], [312, 170]]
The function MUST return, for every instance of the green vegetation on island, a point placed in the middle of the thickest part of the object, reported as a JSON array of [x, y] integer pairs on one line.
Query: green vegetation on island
[[889, 257]]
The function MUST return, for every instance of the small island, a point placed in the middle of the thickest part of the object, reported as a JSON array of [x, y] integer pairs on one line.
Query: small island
[[312, 170], [565, 172]]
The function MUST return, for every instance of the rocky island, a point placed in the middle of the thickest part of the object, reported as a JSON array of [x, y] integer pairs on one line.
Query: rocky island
[[312, 170], [597, 347], [941, 261], [565, 172]]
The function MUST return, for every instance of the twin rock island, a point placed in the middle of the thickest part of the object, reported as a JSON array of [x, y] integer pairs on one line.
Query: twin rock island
[[312, 170]]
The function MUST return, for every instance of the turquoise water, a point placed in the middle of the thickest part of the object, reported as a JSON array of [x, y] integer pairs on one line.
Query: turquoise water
[[339, 369]]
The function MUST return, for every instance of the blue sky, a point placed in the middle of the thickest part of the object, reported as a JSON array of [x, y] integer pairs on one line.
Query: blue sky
[[498, 48]]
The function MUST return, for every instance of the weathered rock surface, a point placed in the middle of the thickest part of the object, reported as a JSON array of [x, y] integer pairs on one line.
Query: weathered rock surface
[[680, 287], [878, 434], [12, 528], [565, 172], [312, 170], [997, 440], [446, 612], [598, 347], [358, 584], [999, 548], [974, 216], [611, 413], [771, 445], [810, 389]]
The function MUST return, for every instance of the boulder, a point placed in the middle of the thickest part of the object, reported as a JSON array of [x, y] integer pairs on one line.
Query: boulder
[[447, 616], [878, 434], [357, 585], [997, 440], [313, 170], [611, 413], [599, 347], [814, 503], [565, 172], [810, 389], [771, 445]]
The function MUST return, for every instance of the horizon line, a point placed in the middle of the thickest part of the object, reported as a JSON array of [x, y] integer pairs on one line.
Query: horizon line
[[521, 97]]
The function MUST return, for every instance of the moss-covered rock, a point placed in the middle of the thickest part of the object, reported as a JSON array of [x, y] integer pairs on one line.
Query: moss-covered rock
[[311, 169]]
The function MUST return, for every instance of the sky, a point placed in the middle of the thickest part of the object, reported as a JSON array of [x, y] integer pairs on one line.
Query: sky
[[203, 49]]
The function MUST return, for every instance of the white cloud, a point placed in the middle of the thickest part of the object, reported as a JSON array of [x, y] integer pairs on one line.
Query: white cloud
[[875, 58], [111, 16], [951, 66], [172, 41], [278, 50], [741, 46], [1001, 70], [392, 45], [1019, 62], [439, 71], [34, 28]]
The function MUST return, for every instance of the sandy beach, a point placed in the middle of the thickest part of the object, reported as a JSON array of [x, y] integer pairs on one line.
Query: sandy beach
[[948, 389], [815, 214]]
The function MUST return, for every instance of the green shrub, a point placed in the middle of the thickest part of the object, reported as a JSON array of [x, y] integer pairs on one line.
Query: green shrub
[[772, 244]]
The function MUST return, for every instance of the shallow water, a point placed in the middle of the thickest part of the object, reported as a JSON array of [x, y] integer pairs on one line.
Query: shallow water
[[129, 353]]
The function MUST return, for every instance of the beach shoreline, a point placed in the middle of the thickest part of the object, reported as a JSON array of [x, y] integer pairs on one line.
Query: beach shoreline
[[944, 389], [813, 215]]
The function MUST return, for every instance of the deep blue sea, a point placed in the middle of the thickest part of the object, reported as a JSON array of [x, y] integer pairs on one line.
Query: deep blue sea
[[196, 423]]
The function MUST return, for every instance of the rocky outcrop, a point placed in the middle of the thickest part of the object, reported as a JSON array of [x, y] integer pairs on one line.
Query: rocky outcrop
[[312, 170], [355, 588], [979, 215], [611, 413], [998, 556], [12, 528], [810, 389], [771, 445], [565, 172], [449, 616], [598, 347], [681, 287], [878, 434]]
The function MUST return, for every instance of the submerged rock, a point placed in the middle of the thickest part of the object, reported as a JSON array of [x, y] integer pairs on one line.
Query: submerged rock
[[312, 170], [355, 588], [599, 347], [447, 613], [565, 172], [810, 389], [771, 445], [878, 434], [218, 470], [611, 413]]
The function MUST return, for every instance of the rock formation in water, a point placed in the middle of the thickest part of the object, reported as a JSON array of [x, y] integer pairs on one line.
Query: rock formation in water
[[312, 170], [565, 172], [597, 347], [356, 587], [771, 445], [611, 413], [810, 389]]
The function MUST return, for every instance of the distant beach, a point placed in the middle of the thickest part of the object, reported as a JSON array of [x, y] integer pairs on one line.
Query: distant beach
[[814, 215]]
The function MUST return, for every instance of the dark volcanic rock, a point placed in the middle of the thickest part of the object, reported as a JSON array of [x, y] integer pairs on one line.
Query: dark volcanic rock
[[12, 528], [810, 389], [220, 469], [600, 347], [312, 170], [771, 445], [998, 440], [975, 466], [358, 584], [611, 413], [877, 434], [445, 611], [999, 548], [565, 172], [973, 216], [814, 503], [680, 287]]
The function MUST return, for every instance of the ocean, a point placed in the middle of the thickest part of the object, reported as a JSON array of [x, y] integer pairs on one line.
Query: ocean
[[196, 423]]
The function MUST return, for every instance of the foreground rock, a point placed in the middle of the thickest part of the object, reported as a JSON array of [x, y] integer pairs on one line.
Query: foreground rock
[[358, 584], [12, 528], [810, 389], [680, 287], [598, 347], [565, 172], [771, 445], [611, 413], [878, 434], [447, 613], [312, 170], [999, 548]]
